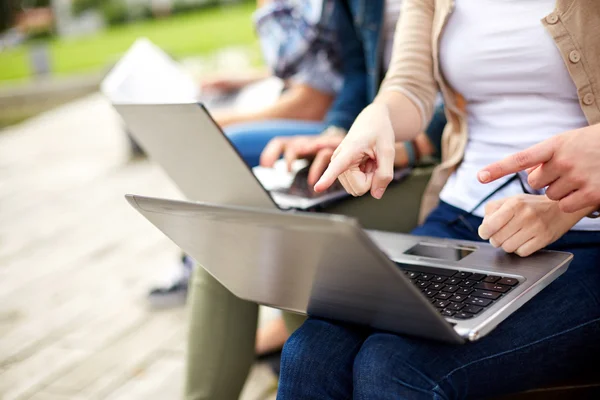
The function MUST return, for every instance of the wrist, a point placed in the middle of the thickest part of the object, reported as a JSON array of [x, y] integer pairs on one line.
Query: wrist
[[334, 131], [575, 217], [595, 213]]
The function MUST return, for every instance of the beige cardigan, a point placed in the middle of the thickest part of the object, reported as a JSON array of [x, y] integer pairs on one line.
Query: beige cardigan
[[415, 71]]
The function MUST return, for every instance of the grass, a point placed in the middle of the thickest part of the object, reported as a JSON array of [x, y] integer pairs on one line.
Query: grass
[[195, 33]]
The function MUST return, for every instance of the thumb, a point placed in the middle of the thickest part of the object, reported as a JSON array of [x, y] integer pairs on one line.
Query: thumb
[[338, 165], [384, 173]]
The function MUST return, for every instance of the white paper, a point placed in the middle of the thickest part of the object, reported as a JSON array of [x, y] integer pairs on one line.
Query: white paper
[[146, 74]]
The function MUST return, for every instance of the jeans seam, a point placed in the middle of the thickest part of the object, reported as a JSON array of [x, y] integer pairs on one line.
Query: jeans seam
[[513, 350], [437, 395]]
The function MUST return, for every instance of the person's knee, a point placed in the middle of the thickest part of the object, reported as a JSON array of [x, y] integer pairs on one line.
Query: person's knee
[[395, 366], [300, 350], [317, 361]]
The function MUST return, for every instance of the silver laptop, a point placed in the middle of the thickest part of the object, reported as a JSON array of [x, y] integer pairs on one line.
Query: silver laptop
[[327, 266], [185, 141]]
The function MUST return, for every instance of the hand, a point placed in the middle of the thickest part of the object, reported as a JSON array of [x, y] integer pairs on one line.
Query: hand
[[320, 147], [365, 159], [222, 85], [568, 164], [525, 223]]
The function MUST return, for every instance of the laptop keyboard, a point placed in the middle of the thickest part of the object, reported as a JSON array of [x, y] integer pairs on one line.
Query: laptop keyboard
[[300, 186], [458, 294]]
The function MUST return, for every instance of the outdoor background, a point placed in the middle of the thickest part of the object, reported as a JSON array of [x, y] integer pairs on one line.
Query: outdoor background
[[64, 47], [76, 261]]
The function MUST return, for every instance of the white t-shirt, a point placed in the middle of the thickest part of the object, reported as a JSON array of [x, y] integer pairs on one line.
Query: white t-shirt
[[498, 55]]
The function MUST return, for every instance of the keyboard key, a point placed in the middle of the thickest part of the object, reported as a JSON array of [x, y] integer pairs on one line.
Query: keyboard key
[[439, 279], [464, 290], [423, 284], [427, 270], [456, 306], [508, 281], [454, 281], [451, 289], [442, 303], [425, 277], [412, 275], [486, 294], [437, 286], [468, 283], [458, 298], [494, 287], [430, 293], [443, 296], [463, 275], [476, 301], [477, 277], [463, 315], [473, 309], [447, 313], [492, 279]]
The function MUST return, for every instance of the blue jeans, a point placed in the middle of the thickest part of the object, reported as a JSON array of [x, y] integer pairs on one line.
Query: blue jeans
[[251, 138], [549, 339]]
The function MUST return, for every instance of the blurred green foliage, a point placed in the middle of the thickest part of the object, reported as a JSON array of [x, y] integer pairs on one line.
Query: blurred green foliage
[[197, 32]]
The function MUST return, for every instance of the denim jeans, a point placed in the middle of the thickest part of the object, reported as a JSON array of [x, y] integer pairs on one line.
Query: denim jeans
[[553, 337], [251, 138]]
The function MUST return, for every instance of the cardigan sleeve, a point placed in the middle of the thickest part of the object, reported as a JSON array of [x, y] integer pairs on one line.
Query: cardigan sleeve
[[411, 67]]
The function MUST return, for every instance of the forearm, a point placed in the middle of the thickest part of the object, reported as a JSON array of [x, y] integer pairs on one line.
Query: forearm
[[409, 88], [405, 116], [578, 215], [300, 102]]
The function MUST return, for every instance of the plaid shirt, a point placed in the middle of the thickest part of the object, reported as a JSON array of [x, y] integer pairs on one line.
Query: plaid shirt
[[298, 41]]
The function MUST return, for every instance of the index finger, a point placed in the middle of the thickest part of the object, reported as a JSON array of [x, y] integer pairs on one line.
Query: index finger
[[272, 152], [337, 166], [531, 157]]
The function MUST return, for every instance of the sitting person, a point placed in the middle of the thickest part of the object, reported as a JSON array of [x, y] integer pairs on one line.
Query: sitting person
[[299, 110], [222, 327], [508, 82]]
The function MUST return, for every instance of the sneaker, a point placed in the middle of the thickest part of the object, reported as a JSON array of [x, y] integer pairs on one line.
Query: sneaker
[[173, 294]]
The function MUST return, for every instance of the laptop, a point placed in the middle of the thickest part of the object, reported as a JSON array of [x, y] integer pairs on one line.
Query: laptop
[[327, 266], [146, 74], [193, 150]]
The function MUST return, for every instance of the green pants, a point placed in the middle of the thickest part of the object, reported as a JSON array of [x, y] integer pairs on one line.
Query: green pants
[[223, 327]]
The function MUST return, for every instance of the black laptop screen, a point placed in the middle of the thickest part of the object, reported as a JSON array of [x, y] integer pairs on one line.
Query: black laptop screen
[[448, 253]]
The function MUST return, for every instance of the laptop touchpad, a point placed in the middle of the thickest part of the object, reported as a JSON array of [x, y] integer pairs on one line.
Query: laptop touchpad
[[440, 252]]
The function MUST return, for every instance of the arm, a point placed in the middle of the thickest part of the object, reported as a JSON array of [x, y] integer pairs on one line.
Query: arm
[[226, 83], [409, 88], [299, 102], [352, 97], [364, 160]]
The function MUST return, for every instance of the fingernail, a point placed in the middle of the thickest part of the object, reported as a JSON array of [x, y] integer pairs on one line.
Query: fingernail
[[484, 176], [379, 193], [482, 232]]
